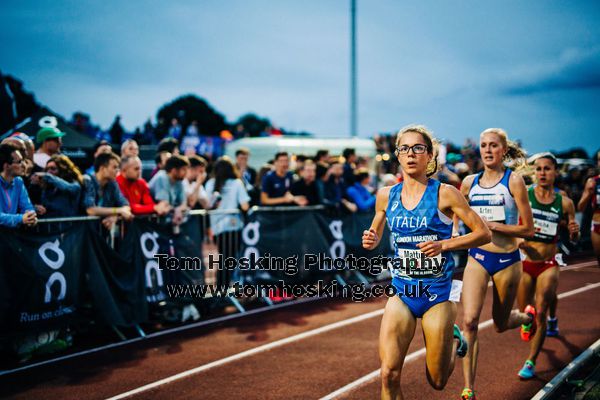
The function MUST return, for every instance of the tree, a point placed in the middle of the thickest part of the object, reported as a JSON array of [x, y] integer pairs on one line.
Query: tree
[[252, 125], [190, 108], [14, 99]]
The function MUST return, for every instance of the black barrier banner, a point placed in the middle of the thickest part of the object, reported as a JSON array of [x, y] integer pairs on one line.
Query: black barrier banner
[[146, 238], [115, 283], [40, 278], [300, 232], [284, 234]]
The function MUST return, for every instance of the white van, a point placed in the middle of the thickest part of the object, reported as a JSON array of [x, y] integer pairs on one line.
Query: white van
[[262, 149]]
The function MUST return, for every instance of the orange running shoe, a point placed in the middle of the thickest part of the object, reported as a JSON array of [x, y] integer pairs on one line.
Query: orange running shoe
[[467, 394], [528, 330]]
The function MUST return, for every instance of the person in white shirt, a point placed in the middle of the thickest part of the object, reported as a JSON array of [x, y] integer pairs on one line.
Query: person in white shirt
[[226, 192]]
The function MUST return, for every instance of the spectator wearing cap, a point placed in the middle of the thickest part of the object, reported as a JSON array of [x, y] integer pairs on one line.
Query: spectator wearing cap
[[130, 148], [136, 190], [307, 185], [276, 184], [193, 184], [359, 192], [102, 196], [167, 185], [15, 207], [61, 188], [49, 140]]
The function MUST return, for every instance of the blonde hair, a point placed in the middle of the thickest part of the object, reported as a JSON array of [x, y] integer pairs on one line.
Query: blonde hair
[[514, 154], [430, 141]]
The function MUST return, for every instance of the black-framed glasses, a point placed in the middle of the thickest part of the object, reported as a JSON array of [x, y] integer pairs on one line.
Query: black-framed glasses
[[18, 161], [416, 148]]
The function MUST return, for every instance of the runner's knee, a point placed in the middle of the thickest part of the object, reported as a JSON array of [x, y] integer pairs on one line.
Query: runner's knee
[[390, 376], [471, 324], [437, 381]]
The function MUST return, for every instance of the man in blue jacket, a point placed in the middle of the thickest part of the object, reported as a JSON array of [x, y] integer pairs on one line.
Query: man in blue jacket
[[15, 206]]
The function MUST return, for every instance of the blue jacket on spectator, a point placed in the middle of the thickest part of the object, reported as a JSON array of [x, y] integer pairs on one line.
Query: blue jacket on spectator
[[14, 202], [276, 186], [111, 194], [360, 196], [333, 191], [60, 198]]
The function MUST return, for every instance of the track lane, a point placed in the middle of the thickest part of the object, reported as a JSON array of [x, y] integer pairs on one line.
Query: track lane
[[310, 368]]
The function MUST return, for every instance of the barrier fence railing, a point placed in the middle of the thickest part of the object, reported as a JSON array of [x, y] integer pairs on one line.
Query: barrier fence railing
[[215, 234]]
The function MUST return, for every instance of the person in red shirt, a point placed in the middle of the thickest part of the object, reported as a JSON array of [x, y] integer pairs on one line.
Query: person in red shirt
[[135, 189]]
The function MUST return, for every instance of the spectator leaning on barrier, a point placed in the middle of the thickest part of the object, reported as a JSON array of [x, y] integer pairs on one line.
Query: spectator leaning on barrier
[[247, 173], [61, 188], [193, 184], [276, 184], [350, 158], [29, 167], [102, 196], [135, 189], [167, 185], [226, 192], [130, 148], [15, 207], [359, 193], [24, 142], [307, 186], [49, 140], [333, 188]]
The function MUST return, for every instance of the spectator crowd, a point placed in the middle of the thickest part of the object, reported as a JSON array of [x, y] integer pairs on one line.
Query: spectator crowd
[[45, 183]]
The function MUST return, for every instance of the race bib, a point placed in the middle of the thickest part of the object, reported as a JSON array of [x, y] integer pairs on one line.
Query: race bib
[[545, 227], [490, 213], [414, 264]]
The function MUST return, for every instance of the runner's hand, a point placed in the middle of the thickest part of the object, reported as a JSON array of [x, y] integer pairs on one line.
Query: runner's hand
[[430, 249], [573, 230], [369, 239]]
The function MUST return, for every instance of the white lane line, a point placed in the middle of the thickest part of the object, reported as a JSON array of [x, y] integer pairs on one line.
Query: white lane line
[[414, 355], [250, 352], [256, 350]]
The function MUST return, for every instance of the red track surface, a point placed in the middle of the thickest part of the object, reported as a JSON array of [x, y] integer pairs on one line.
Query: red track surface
[[310, 367]]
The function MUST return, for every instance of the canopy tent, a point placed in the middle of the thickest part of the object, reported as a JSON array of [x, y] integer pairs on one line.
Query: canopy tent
[[45, 117], [76, 146]]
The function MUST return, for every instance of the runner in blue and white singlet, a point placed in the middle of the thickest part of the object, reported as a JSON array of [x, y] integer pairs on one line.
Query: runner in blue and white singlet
[[418, 212], [500, 198], [494, 204]]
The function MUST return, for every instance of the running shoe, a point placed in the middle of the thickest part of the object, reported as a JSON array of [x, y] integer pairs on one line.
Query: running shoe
[[461, 349], [552, 327], [467, 394], [528, 370], [528, 330]]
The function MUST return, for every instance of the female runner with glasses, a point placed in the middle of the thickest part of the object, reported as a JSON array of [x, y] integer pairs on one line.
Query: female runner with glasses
[[419, 214], [499, 197]]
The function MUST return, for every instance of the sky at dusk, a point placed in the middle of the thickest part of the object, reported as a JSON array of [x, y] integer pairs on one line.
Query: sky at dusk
[[532, 68]]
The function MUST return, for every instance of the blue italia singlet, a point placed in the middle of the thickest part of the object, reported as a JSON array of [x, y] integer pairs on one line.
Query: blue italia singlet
[[425, 284]]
